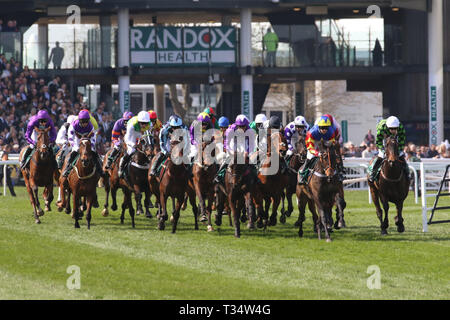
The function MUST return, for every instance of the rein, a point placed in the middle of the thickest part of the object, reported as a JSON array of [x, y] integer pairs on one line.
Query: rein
[[85, 177]]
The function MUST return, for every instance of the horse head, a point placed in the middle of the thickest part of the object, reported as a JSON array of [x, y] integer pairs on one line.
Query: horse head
[[43, 141], [391, 147], [144, 147], [328, 158], [85, 151]]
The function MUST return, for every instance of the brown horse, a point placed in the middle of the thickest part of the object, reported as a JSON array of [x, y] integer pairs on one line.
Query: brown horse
[[172, 182], [112, 183], [240, 182], [83, 180], [322, 188], [272, 185], [40, 173], [204, 171], [391, 186]]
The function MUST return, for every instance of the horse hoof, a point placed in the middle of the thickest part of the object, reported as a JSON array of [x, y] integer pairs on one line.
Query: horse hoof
[[283, 219], [328, 240], [161, 226], [203, 218], [300, 234], [336, 225], [121, 221], [37, 221], [171, 219], [148, 215], [259, 224], [297, 224], [60, 209], [114, 207], [251, 226], [288, 213], [401, 228], [210, 228], [48, 209], [40, 212], [105, 212], [150, 205], [384, 232]]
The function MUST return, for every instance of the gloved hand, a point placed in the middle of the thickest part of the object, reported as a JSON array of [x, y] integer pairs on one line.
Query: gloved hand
[[289, 153]]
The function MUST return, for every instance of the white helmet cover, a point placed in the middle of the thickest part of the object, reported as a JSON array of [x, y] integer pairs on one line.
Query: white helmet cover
[[392, 122], [143, 116], [300, 121], [260, 118]]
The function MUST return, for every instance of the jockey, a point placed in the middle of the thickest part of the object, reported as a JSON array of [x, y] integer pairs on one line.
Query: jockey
[[322, 130], [258, 123], [62, 140], [156, 123], [212, 115], [298, 127], [388, 127], [337, 128], [136, 127], [174, 123], [41, 121], [118, 132], [224, 124], [206, 124], [91, 119], [81, 126], [242, 123]]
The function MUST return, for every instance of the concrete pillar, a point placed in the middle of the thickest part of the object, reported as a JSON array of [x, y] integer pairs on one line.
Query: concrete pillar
[[123, 48], [43, 52], [105, 40], [246, 62], [436, 72], [159, 101]]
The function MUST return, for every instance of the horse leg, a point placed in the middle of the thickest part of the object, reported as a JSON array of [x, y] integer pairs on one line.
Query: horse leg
[[275, 203], [340, 206], [129, 204], [251, 211], [48, 196], [220, 205], [327, 221], [192, 196], [114, 189], [289, 192], [385, 224], [138, 198], [236, 211], [90, 202], [301, 216], [176, 214], [105, 211], [76, 209], [147, 203], [266, 209], [376, 202], [398, 217], [209, 209], [33, 203], [35, 189], [163, 215], [283, 212]]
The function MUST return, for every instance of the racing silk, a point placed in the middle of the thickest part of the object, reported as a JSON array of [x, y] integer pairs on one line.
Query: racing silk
[[337, 129], [249, 143], [157, 127], [382, 130], [63, 135], [133, 134], [31, 135], [289, 132], [194, 140], [164, 137], [119, 126], [314, 136], [75, 128], [254, 127]]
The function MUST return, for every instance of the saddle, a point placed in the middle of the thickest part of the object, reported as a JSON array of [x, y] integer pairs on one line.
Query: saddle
[[308, 170]]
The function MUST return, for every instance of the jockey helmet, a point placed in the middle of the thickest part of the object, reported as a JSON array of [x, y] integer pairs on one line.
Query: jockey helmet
[[300, 121], [329, 116], [152, 115], [324, 121], [143, 116], [175, 121], [260, 118], [392, 122], [224, 122], [204, 117], [84, 114], [127, 115], [42, 115], [209, 111], [274, 122], [242, 120], [71, 118]]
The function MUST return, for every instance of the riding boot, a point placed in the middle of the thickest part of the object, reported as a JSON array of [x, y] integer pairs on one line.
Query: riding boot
[[25, 156], [303, 172], [223, 167], [60, 158], [160, 158], [111, 158], [123, 162], [373, 169], [72, 156]]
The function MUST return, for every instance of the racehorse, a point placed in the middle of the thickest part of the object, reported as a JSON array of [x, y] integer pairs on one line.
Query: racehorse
[[322, 188], [40, 173], [83, 179], [204, 171], [112, 183], [239, 184], [172, 182], [272, 186], [391, 186]]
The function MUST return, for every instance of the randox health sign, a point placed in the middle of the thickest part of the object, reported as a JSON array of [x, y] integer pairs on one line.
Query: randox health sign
[[191, 46]]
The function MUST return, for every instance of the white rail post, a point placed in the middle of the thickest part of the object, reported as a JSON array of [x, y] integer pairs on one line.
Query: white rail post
[[424, 197], [4, 180]]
